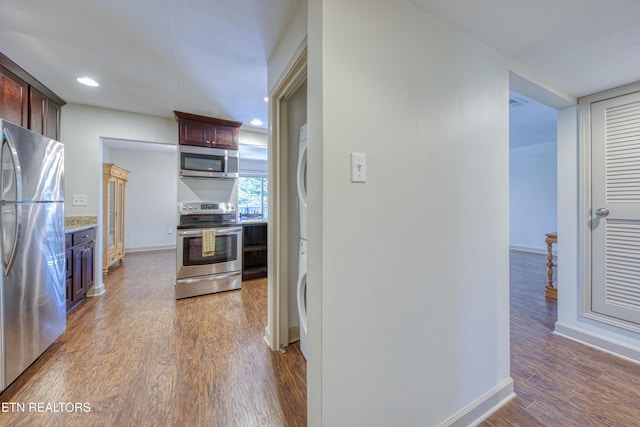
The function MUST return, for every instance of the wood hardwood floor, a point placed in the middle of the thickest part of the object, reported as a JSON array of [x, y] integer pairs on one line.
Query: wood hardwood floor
[[560, 382], [138, 357]]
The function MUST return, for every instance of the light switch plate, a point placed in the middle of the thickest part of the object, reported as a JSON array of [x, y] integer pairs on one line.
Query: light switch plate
[[358, 167], [79, 200]]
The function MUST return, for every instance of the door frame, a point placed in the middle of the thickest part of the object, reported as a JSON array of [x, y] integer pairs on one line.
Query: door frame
[[277, 329], [585, 205]]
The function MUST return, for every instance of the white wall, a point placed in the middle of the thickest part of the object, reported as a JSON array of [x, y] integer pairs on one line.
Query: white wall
[[198, 189], [568, 305], [81, 129], [532, 195], [291, 40], [252, 137], [151, 215], [106, 154], [408, 273], [251, 166]]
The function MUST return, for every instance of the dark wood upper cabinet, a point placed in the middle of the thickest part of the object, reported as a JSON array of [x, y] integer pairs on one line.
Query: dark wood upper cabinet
[[195, 133], [205, 131], [27, 102], [37, 105], [14, 94], [52, 120], [44, 115], [226, 137]]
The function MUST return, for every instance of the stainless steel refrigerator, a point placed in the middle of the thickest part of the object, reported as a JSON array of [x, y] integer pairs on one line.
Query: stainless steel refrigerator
[[32, 292]]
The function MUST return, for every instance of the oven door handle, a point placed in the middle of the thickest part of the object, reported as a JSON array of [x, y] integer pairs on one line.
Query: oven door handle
[[219, 232], [217, 276]]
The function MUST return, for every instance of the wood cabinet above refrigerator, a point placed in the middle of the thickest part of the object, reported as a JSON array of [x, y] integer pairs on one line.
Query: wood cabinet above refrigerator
[[27, 102]]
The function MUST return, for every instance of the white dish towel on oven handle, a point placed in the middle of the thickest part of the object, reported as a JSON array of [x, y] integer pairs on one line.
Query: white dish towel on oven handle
[[208, 242]]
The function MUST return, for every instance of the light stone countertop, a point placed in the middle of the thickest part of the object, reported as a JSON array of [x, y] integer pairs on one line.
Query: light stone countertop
[[79, 223]]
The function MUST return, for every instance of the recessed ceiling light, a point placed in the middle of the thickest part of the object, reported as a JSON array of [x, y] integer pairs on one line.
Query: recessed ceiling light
[[257, 122], [88, 81], [266, 99]]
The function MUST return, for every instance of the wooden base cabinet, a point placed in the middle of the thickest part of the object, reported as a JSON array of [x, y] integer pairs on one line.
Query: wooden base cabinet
[[114, 186], [80, 250]]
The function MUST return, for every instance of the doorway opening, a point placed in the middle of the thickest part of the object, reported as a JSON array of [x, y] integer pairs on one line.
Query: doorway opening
[[151, 187], [533, 204], [287, 114]]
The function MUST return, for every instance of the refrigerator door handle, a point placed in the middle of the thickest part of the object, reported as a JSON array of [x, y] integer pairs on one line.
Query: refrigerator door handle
[[17, 175], [8, 265], [15, 160]]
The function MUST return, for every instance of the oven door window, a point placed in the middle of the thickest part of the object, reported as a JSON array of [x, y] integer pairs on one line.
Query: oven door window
[[226, 250], [202, 162]]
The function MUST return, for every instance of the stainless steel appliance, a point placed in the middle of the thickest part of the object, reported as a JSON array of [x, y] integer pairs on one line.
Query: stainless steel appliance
[[32, 292], [204, 162], [200, 272]]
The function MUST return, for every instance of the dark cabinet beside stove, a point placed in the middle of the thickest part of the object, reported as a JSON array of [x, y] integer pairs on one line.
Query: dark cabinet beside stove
[[254, 248]]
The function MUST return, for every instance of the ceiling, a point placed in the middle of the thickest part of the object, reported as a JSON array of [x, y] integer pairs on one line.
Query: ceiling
[[209, 57], [578, 46], [206, 57], [530, 122]]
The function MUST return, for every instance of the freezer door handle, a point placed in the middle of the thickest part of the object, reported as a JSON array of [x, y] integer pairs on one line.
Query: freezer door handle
[[13, 161], [7, 145]]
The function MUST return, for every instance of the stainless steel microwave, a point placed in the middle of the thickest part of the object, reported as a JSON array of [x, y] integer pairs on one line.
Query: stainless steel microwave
[[205, 162]]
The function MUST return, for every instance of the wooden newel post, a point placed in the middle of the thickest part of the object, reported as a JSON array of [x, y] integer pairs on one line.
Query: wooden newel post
[[550, 291]]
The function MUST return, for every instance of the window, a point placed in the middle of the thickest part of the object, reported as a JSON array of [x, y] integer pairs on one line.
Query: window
[[253, 197]]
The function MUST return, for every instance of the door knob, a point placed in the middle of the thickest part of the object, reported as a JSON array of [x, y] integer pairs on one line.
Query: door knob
[[602, 212]]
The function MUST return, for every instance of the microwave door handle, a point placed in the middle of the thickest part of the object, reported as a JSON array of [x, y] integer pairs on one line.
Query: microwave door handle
[[226, 162]]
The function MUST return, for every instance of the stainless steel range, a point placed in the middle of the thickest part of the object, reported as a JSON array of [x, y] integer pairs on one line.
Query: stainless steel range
[[209, 249]]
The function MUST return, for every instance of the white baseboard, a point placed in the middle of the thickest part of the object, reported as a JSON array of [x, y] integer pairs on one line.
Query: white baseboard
[[96, 290], [532, 249], [149, 248], [294, 333], [599, 342], [267, 338], [483, 407]]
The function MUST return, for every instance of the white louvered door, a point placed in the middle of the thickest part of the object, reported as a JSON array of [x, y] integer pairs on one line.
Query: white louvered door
[[615, 213]]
